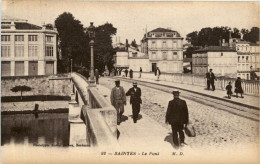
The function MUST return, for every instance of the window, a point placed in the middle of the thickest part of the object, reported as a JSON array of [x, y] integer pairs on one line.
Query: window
[[5, 51], [49, 51], [153, 44], [174, 53], [164, 44], [153, 55], [19, 51], [174, 44], [19, 38], [247, 59], [32, 38], [221, 54], [33, 51], [238, 58], [49, 39], [5, 38], [164, 56]]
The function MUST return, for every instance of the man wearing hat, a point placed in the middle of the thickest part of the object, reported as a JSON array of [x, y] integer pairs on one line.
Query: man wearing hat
[[210, 79], [118, 100], [135, 100], [177, 115]]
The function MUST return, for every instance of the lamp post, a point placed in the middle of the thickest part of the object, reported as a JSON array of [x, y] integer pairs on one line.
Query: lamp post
[[91, 32]]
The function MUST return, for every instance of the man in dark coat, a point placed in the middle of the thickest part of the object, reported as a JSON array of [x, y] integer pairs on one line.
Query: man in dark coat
[[210, 79], [131, 73], [135, 100], [96, 76], [177, 115], [126, 72]]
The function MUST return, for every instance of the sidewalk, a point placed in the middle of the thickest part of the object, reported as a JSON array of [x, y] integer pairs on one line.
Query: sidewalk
[[248, 100], [146, 134]]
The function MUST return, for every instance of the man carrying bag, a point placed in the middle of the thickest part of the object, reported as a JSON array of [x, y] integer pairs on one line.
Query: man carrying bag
[[177, 115]]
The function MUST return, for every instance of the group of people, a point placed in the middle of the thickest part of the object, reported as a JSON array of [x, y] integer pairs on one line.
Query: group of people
[[118, 100], [86, 73], [238, 87], [177, 112]]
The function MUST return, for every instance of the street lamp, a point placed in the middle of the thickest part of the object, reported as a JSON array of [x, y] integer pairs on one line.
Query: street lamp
[[91, 33]]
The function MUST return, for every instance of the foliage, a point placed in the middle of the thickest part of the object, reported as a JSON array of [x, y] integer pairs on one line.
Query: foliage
[[73, 42], [189, 51], [22, 89], [103, 49], [252, 35], [133, 44]]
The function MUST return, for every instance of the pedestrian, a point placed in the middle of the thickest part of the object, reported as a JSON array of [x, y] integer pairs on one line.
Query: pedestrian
[[229, 90], [135, 100], [238, 87], [157, 73], [140, 72], [118, 100], [126, 72], [177, 116], [212, 79], [208, 80], [120, 70], [97, 76], [131, 73], [86, 73]]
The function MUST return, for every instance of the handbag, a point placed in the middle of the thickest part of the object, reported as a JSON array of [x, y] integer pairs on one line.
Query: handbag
[[190, 131]]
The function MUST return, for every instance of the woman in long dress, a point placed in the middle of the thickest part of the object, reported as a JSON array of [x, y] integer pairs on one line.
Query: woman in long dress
[[238, 87]]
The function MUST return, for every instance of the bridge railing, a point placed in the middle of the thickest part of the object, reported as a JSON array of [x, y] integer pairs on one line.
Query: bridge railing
[[250, 87], [97, 113]]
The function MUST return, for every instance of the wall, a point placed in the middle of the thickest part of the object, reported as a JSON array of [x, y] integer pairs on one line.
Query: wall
[[249, 87], [41, 85]]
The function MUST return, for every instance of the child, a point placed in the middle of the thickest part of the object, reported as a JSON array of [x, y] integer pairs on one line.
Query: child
[[229, 90]]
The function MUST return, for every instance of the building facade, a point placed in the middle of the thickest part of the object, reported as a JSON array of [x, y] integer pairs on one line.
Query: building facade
[[27, 49], [248, 59], [223, 61], [164, 48]]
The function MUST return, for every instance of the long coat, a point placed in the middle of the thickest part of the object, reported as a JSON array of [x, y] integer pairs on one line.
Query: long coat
[[177, 112], [135, 96], [212, 77], [114, 98], [238, 87]]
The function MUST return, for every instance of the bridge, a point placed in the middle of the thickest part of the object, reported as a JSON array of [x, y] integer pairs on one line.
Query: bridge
[[219, 122]]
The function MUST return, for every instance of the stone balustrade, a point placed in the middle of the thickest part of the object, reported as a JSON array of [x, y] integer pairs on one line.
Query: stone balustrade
[[97, 113], [250, 87]]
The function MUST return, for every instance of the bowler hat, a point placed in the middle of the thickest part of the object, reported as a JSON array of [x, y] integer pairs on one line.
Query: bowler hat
[[175, 92], [134, 83], [117, 80]]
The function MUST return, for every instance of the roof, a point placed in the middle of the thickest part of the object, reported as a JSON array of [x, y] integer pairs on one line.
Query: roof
[[254, 44], [162, 30], [26, 26], [216, 49], [9, 18], [242, 42]]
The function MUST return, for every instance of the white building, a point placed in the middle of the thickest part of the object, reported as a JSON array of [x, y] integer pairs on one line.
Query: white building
[[223, 61], [27, 49], [164, 47], [248, 59]]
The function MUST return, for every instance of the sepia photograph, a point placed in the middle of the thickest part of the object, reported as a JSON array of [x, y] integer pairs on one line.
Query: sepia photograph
[[130, 82]]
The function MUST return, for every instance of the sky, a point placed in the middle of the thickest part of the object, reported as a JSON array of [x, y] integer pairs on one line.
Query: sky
[[132, 18]]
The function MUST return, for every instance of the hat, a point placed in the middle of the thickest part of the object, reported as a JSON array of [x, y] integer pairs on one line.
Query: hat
[[117, 80], [134, 83], [210, 69], [175, 92]]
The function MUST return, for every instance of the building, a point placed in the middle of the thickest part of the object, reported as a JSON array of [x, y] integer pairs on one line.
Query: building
[[27, 49], [248, 59], [130, 58], [164, 48], [223, 61]]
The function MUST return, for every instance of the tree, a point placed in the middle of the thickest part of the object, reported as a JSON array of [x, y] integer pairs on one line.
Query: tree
[[211, 36], [103, 46], [22, 89], [133, 44], [73, 42], [252, 35], [189, 51]]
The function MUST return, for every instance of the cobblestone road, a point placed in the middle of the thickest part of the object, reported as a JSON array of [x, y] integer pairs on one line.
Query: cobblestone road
[[214, 128]]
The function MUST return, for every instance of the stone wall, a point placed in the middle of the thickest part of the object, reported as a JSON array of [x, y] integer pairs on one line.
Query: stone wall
[[41, 85]]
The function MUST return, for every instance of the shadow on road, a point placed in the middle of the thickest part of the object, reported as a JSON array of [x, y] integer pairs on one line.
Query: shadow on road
[[169, 139], [124, 118], [139, 116]]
